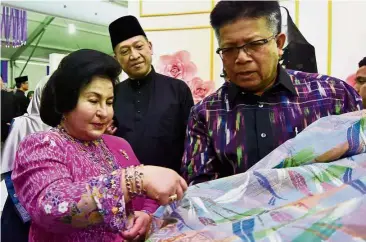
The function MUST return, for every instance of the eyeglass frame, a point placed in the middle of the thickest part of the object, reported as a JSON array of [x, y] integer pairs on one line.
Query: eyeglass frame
[[242, 47]]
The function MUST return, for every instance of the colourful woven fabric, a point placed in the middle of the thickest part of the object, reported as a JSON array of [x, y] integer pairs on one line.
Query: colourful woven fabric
[[311, 188]]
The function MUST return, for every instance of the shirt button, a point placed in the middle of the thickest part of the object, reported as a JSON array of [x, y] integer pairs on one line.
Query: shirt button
[[139, 92], [243, 93], [263, 135], [138, 111], [260, 105], [138, 101]]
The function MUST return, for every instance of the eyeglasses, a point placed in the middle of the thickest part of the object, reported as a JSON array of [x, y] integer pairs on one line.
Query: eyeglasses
[[250, 48]]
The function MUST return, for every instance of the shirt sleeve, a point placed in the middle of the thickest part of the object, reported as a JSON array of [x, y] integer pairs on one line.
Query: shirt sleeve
[[352, 100], [187, 104], [24, 105], [199, 155], [142, 203], [150, 205], [46, 188]]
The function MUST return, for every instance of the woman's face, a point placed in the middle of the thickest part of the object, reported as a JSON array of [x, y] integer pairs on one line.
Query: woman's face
[[94, 110]]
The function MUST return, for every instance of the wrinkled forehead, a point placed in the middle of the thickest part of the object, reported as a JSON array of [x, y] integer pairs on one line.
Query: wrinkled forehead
[[244, 30], [361, 71]]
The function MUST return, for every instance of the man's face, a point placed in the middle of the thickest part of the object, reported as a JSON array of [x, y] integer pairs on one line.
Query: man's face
[[361, 83], [24, 86], [135, 56], [254, 69]]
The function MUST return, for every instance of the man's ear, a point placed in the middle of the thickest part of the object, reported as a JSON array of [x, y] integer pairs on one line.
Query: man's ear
[[151, 47], [280, 41]]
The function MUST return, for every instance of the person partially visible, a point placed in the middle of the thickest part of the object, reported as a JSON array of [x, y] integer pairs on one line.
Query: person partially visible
[[8, 111], [3, 85], [21, 101], [151, 109], [76, 183], [262, 105], [361, 80], [23, 125], [15, 221], [30, 95]]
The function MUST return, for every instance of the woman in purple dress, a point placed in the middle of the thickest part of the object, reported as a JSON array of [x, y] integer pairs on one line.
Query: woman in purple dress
[[77, 183]]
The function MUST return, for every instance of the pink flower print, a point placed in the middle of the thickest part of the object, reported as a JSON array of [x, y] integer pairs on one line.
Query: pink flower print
[[200, 89], [63, 207], [47, 208], [178, 65]]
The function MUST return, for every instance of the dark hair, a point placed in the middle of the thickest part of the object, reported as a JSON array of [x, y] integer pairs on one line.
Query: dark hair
[[18, 84], [30, 93], [61, 93], [362, 62], [226, 12]]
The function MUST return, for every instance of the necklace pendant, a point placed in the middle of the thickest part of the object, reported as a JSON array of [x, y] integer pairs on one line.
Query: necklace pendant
[[124, 153]]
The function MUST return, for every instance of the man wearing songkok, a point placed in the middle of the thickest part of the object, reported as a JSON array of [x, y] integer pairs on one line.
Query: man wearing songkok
[[21, 101], [151, 109]]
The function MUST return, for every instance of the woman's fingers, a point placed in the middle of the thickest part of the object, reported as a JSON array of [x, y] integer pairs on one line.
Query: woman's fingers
[[164, 200], [183, 184], [165, 191], [179, 193]]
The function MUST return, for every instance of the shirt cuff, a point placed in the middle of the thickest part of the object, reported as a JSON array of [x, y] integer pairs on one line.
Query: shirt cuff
[[109, 198]]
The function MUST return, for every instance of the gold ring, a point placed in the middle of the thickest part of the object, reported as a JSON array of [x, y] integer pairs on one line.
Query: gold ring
[[173, 198]]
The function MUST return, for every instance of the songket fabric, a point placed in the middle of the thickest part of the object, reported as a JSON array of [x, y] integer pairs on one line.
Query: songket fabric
[[311, 188]]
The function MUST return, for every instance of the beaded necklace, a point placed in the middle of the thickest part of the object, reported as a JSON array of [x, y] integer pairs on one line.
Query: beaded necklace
[[82, 146]]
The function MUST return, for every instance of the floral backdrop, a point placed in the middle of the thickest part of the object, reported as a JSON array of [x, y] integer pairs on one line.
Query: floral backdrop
[[179, 65]]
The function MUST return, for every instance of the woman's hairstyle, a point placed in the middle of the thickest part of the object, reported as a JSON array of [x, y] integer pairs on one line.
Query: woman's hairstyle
[[75, 71]]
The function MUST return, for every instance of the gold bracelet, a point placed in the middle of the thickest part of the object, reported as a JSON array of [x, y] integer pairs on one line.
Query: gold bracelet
[[134, 179], [139, 181], [129, 179]]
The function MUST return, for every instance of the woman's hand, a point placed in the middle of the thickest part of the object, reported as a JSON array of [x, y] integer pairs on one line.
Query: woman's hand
[[139, 227], [111, 129], [163, 185]]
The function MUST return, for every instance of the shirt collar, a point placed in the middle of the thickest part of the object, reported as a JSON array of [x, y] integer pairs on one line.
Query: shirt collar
[[144, 80], [283, 80]]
